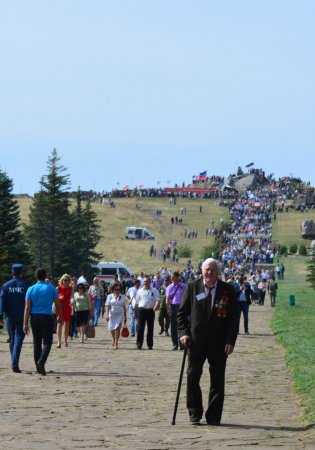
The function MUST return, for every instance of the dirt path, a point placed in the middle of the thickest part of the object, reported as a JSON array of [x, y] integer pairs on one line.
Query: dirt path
[[96, 397]]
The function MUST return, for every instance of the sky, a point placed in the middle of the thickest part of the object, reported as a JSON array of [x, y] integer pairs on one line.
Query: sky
[[141, 92]]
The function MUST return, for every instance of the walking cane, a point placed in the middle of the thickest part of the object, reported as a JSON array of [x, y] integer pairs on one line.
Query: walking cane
[[179, 385]]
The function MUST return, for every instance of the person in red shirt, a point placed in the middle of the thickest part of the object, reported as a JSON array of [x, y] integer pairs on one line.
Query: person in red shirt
[[65, 293]]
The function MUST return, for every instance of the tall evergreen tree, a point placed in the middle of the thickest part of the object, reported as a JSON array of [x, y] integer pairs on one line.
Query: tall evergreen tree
[[310, 277], [50, 221], [84, 237], [12, 243]]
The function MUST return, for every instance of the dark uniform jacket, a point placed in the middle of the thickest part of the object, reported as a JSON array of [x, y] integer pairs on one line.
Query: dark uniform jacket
[[12, 298], [216, 326]]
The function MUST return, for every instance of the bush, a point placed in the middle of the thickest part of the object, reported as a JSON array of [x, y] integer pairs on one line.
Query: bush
[[211, 251], [293, 249], [184, 251], [302, 250], [283, 250]]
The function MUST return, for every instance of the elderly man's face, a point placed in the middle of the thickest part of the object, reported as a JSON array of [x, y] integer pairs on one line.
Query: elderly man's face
[[210, 274]]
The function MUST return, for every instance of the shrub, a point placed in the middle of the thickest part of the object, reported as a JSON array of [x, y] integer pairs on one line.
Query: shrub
[[293, 249], [184, 251], [211, 251], [302, 250], [283, 250]]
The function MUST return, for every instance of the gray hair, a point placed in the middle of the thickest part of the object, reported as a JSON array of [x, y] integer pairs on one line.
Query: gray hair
[[211, 261]]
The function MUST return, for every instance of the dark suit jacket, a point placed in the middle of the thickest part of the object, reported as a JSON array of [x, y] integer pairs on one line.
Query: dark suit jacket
[[214, 327]]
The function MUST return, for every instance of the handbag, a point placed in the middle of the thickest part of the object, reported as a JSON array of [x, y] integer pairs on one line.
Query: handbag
[[90, 330], [124, 332]]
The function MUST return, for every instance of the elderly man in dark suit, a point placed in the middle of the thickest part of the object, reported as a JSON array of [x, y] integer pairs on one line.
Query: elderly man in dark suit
[[208, 320]]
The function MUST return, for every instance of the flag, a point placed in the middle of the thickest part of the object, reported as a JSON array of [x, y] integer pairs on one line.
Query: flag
[[203, 174], [249, 165]]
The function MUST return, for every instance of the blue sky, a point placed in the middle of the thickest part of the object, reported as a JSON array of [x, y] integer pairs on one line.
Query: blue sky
[[142, 91]]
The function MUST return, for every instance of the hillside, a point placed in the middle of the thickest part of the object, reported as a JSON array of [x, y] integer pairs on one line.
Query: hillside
[[135, 254], [286, 229]]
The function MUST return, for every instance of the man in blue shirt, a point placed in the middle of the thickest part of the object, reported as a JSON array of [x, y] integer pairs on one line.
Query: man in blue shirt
[[12, 301], [39, 301]]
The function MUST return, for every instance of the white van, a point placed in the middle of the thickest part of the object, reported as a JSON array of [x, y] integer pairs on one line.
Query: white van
[[138, 233], [108, 270]]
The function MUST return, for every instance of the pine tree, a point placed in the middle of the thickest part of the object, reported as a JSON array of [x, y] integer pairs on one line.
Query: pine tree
[[91, 236], [310, 277], [12, 243], [50, 221]]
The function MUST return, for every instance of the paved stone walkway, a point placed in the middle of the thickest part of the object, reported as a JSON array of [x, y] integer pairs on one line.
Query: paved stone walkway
[[97, 398]]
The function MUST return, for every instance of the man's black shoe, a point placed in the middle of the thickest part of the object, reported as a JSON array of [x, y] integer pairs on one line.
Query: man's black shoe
[[175, 347], [139, 347], [16, 370], [195, 421], [215, 424], [150, 348], [41, 369], [166, 333], [161, 332]]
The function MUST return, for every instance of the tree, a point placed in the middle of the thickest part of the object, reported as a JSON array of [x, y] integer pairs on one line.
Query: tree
[[84, 237], [12, 242], [91, 237], [50, 224], [310, 277]]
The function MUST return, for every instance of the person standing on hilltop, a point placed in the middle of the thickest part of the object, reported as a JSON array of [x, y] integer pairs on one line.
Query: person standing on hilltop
[[12, 304]]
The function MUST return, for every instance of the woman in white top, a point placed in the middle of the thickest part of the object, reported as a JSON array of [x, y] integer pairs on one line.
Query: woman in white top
[[115, 312]]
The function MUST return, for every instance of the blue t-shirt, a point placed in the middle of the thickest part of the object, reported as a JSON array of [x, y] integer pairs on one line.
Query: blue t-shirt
[[42, 296]]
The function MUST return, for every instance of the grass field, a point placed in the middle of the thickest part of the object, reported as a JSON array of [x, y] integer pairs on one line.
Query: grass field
[[135, 254], [286, 229], [294, 326]]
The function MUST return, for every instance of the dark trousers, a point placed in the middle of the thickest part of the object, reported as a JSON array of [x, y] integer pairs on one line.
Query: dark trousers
[[145, 316], [42, 328], [244, 308], [164, 318], [16, 334], [174, 334], [217, 364]]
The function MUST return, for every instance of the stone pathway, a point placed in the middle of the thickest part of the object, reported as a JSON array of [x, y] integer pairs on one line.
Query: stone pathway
[[96, 398]]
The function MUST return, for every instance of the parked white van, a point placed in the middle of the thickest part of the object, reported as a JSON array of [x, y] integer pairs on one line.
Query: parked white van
[[138, 233], [108, 270]]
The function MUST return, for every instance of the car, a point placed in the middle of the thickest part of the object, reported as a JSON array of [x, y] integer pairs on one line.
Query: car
[[108, 271], [139, 233]]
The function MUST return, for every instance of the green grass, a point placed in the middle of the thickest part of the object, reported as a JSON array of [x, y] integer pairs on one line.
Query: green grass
[[135, 254], [295, 329], [287, 228]]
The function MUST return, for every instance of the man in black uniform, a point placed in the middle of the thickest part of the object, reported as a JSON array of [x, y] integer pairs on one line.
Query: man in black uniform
[[12, 301], [208, 320]]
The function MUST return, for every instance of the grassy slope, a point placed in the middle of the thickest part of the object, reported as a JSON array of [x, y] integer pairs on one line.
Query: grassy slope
[[287, 227], [295, 327], [135, 254]]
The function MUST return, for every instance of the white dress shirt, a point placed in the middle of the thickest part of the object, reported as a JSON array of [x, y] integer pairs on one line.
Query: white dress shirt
[[146, 298]]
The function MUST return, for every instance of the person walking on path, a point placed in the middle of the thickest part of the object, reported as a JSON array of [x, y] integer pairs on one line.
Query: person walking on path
[[208, 320], [12, 304], [116, 313], [40, 298], [244, 300], [96, 299], [65, 294], [147, 302], [272, 290], [174, 294], [131, 297], [83, 309], [164, 316]]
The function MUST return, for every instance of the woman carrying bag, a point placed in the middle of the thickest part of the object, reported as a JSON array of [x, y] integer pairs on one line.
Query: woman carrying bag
[[116, 313]]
